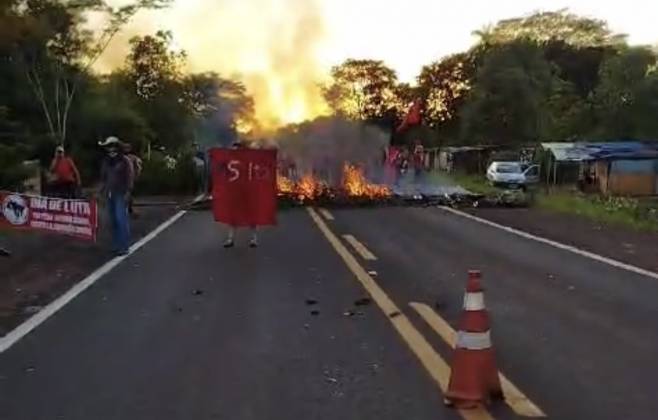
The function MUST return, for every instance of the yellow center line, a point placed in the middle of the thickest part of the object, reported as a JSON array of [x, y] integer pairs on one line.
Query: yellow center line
[[360, 248], [520, 403], [437, 368], [326, 214]]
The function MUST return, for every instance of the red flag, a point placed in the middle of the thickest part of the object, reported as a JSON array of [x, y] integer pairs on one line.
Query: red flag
[[77, 218], [244, 186], [414, 116]]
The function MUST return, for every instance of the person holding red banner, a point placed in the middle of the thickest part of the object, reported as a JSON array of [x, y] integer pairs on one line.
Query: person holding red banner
[[230, 238], [244, 189]]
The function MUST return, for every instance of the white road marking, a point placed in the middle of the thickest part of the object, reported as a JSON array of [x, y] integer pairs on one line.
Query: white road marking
[[360, 248], [52, 308], [327, 214], [573, 249], [517, 400]]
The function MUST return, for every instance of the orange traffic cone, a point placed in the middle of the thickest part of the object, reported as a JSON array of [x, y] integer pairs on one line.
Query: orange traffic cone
[[474, 377]]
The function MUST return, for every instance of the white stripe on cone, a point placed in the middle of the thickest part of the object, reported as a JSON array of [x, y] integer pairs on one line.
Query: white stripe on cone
[[474, 341], [474, 301]]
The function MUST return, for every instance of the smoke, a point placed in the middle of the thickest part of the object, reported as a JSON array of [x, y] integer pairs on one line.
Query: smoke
[[324, 145], [273, 46]]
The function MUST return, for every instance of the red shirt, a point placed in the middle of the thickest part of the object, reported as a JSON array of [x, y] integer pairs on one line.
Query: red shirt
[[65, 170]]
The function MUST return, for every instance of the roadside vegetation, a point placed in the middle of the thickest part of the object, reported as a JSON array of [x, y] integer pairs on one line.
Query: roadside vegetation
[[635, 213], [547, 76], [640, 214]]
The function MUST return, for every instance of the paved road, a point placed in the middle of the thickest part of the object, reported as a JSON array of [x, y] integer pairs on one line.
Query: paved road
[[186, 330]]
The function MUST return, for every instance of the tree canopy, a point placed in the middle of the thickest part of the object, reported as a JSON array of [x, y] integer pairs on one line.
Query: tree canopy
[[546, 76]]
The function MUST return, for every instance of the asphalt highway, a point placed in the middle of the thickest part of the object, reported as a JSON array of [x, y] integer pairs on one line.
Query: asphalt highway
[[338, 315]]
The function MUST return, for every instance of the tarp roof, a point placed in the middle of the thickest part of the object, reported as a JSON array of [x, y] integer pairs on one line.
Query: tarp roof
[[577, 152]]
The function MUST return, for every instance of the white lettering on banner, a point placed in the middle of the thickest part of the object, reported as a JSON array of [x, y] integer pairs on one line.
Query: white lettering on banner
[[55, 205], [81, 207], [63, 218], [42, 216], [235, 172], [65, 207], [58, 227], [80, 221], [39, 203], [257, 172]]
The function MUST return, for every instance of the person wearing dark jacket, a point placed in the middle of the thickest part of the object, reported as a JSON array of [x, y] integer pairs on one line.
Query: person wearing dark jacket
[[117, 177]]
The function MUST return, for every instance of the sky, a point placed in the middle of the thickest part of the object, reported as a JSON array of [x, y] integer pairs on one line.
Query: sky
[[282, 49]]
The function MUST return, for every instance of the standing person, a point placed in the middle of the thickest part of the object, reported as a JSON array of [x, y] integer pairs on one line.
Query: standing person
[[66, 178], [419, 157], [117, 182], [136, 164], [201, 169], [230, 238]]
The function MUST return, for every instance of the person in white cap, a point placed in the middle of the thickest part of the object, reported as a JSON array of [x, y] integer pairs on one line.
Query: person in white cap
[[117, 177]]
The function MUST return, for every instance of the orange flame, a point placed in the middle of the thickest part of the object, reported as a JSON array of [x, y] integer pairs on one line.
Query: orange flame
[[309, 187], [284, 185], [355, 184]]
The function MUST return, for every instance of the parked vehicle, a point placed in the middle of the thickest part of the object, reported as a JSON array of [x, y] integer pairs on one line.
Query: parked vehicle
[[512, 174]]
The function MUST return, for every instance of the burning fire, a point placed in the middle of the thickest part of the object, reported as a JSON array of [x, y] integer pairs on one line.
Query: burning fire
[[354, 184], [284, 185]]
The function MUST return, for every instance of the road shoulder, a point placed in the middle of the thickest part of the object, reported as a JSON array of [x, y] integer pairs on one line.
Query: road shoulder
[[619, 243]]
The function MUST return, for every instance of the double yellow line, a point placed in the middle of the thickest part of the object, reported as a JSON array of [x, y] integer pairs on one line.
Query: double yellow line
[[434, 364]]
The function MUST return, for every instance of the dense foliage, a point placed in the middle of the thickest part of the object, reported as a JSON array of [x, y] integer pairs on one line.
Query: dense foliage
[[549, 76]]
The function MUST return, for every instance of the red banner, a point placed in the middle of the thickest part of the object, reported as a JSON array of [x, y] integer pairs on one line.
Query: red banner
[[78, 218], [244, 186]]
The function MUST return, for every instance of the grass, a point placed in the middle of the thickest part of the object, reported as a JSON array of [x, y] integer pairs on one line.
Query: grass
[[612, 210], [636, 214], [473, 183]]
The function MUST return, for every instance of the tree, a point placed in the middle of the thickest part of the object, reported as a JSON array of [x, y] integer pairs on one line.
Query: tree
[[551, 26], [578, 65], [625, 102], [508, 101], [362, 90], [568, 114], [221, 107], [443, 85], [153, 65], [56, 52], [154, 75]]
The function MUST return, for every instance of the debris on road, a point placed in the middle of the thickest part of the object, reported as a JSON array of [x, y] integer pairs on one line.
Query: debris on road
[[311, 302], [31, 310], [4, 253], [197, 292], [315, 313], [394, 314], [348, 313], [363, 302], [30, 369], [372, 273]]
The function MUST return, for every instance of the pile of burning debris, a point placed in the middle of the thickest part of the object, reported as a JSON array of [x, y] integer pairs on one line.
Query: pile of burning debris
[[356, 191]]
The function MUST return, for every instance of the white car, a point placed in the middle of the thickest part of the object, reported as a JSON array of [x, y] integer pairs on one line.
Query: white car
[[514, 174]]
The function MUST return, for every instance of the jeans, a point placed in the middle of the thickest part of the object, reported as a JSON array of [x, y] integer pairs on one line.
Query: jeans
[[118, 212]]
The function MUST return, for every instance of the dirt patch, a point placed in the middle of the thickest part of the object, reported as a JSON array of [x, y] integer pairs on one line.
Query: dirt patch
[[44, 266], [623, 244]]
